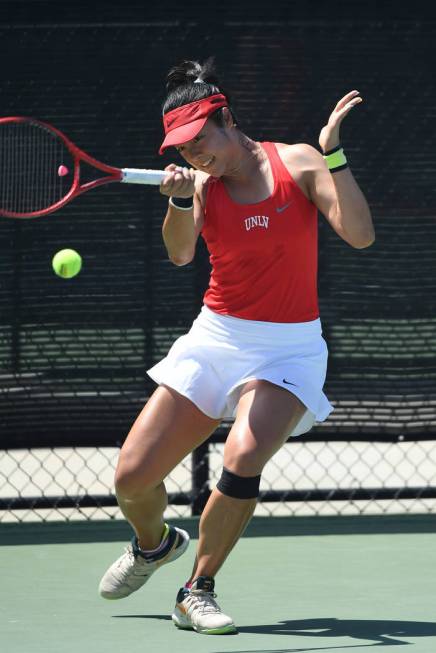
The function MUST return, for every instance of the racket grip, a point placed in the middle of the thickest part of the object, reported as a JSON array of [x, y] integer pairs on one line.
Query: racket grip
[[139, 176]]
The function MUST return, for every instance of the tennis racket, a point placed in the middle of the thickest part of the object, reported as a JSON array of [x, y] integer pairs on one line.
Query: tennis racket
[[40, 169]]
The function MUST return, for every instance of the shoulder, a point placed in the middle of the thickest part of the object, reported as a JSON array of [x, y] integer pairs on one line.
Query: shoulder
[[303, 162], [301, 155]]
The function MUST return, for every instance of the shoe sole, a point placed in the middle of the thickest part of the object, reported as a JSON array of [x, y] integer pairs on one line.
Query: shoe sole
[[175, 553], [225, 630]]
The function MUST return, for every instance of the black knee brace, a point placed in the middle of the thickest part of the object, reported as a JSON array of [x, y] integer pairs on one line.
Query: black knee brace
[[238, 487]]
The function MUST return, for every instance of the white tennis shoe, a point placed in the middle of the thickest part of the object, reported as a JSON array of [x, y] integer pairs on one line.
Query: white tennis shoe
[[133, 569], [196, 609]]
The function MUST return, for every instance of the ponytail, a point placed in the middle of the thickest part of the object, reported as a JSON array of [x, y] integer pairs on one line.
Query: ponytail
[[190, 81]]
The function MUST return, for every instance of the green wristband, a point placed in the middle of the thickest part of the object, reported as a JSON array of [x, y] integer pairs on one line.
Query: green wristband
[[336, 160]]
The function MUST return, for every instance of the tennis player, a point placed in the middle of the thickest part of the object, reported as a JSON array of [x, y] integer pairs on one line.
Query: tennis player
[[255, 353]]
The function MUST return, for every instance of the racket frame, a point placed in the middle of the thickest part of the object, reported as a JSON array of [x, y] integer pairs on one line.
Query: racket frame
[[127, 175]]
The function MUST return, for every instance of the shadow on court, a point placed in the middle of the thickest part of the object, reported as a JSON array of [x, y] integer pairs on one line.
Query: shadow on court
[[161, 617], [381, 633]]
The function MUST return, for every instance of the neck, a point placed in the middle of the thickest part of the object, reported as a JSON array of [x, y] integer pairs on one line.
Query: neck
[[248, 158]]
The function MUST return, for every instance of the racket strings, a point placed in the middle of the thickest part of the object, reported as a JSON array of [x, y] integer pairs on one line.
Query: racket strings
[[30, 164]]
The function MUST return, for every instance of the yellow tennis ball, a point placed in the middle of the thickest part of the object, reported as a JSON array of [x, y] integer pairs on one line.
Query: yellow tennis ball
[[67, 263]]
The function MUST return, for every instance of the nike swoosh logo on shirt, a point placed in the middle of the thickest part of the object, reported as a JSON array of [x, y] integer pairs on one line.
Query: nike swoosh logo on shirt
[[289, 383], [279, 209]]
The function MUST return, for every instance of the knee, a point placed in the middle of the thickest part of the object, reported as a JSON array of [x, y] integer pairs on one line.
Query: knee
[[245, 460], [133, 478]]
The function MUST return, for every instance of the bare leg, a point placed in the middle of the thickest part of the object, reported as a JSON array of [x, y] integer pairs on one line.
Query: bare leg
[[222, 523], [145, 514], [266, 414], [169, 427]]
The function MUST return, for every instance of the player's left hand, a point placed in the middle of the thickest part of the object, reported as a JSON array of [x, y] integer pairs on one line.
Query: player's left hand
[[329, 136]]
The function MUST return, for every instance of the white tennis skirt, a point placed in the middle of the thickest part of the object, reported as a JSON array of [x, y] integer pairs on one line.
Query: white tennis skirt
[[215, 359]]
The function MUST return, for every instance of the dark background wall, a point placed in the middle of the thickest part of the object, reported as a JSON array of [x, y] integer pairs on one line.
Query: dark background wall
[[73, 353]]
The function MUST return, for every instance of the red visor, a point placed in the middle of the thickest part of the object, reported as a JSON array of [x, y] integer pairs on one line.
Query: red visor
[[183, 123]]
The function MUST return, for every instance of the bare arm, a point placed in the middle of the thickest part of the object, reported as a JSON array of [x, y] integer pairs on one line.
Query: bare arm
[[337, 194], [339, 198], [181, 228]]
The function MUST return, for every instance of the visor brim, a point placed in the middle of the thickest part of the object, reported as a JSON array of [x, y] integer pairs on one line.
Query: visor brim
[[182, 134]]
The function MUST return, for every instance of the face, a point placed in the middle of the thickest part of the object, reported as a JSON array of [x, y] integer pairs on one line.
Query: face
[[211, 150]]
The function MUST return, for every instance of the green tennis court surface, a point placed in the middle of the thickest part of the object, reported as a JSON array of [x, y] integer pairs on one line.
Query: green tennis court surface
[[292, 585]]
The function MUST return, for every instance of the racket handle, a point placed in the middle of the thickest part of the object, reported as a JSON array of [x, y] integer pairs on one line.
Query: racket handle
[[139, 176]]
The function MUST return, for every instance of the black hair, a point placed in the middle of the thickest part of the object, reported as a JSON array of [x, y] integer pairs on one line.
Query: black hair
[[181, 88]]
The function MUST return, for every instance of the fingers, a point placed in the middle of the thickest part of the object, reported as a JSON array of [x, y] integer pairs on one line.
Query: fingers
[[350, 100], [344, 106], [329, 136], [180, 181]]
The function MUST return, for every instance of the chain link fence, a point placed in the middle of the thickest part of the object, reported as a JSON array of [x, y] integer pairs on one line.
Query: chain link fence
[[304, 478], [73, 354]]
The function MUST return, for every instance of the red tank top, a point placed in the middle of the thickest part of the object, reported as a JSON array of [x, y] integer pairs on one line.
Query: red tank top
[[263, 255]]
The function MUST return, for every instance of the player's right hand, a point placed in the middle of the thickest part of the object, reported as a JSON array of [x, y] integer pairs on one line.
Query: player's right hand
[[180, 182]]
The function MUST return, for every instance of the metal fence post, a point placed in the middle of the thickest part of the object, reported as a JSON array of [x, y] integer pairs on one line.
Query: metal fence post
[[200, 478]]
